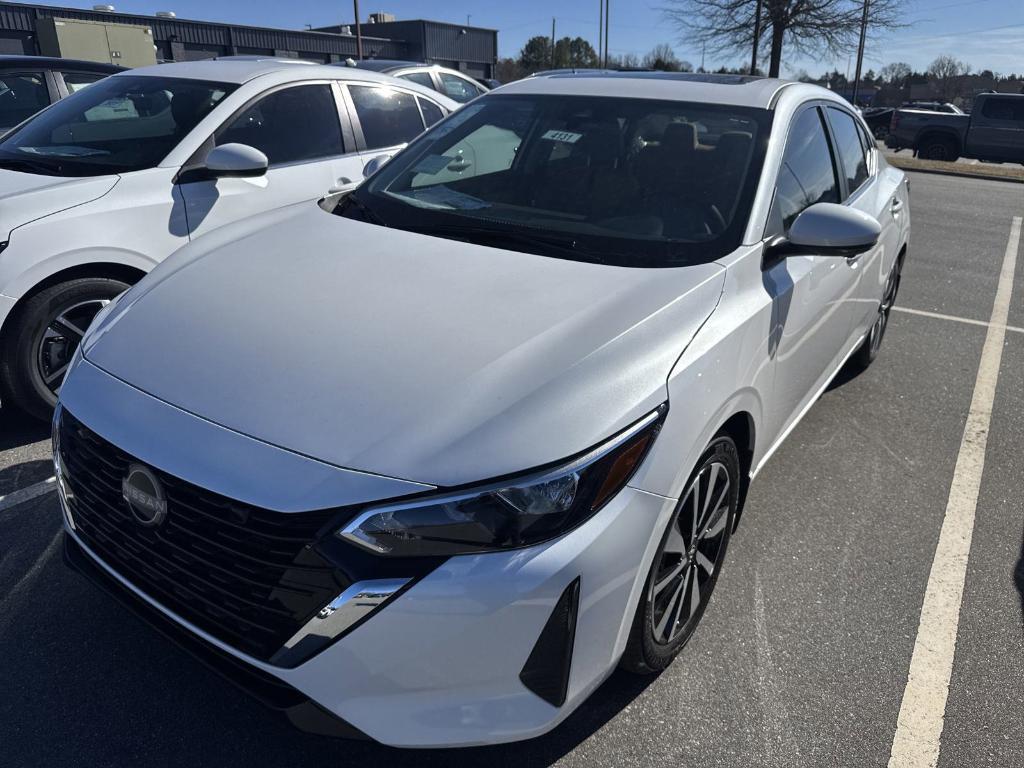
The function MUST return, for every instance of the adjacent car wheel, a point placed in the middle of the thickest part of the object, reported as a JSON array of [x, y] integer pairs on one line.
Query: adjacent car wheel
[[938, 148], [43, 336], [868, 350], [688, 561]]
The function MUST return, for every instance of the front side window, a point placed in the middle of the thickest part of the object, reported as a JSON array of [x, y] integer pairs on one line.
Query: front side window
[[21, 96], [293, 125], [458, 88], [849, 148], [807, 175], [633, 182], [119, 124], [388, 117]]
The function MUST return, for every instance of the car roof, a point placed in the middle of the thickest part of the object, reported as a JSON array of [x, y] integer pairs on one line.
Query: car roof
[[54, 62], [737, 90], [276, 72], [382, 65]]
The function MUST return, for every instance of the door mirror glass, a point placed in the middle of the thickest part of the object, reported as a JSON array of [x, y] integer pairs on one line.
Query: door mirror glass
[[827, 229], [375, 164], [239, 160]]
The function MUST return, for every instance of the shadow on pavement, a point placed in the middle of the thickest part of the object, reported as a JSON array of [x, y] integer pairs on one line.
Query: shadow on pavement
[[18, 476], [17, 429], [1018, 577]]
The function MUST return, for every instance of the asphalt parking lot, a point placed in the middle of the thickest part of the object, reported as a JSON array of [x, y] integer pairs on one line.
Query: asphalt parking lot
[[803, 656]]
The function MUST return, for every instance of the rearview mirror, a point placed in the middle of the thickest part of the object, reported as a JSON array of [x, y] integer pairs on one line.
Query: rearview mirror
[[375, 164], [236, 160], [828, 229]]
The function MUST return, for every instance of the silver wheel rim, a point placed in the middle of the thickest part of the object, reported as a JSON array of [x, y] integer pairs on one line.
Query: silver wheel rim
[[60, 340], [888, 299], [690, 554]]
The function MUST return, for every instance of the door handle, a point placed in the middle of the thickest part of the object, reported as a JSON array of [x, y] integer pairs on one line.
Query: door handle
[[340, 185], [897, 205]]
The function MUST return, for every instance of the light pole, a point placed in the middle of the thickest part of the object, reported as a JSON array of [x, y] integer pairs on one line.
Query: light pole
[[607, 23], [359, 31], [757, 38], [860, 51]]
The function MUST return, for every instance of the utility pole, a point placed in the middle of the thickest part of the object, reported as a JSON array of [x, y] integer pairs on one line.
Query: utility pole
[[552, 42], [359, 32], [860, 51], [600, 32], [757, 38], [607, 23]]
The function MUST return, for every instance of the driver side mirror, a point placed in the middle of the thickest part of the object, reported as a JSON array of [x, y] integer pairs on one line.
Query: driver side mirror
[[828, 229], [235, 160], [375, 164]]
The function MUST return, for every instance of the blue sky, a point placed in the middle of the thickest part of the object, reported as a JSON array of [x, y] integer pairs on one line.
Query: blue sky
[[988, 34]]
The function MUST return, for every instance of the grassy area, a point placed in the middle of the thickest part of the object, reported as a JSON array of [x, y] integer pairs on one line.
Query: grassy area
[[986, 170]]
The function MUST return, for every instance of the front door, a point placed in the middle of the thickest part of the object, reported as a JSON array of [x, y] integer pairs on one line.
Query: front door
[[299, 129], [811, 295]]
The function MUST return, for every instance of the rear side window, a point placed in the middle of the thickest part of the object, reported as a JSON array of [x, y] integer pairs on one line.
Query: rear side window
[[387, 116], [431, 112], [21, 96], [458, 88], [420, 78], [1004, 109], [289, 126], [849, 148], [807, 175], [76, 81]]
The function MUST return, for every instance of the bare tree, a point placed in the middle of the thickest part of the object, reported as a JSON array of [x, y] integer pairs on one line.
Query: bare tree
[[663, 57], [810, 27], [896, 73], [947, 74]]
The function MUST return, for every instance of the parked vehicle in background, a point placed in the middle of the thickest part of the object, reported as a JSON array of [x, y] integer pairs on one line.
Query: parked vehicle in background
[[878, 119], [994, 131], [31, 83], [441, 459], [452, 83], [489, 82], [933, 106], [108, 182]]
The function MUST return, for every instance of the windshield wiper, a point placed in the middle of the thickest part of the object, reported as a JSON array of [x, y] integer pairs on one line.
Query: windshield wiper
[[351, 201], [565, 246], [29, 166]]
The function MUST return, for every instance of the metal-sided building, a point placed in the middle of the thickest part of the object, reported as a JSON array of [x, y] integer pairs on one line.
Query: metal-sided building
[[470, 49]]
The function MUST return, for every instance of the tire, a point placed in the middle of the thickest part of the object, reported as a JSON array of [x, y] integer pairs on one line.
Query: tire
[[938, 148], [44, 333], [675, 583], [872, 344]]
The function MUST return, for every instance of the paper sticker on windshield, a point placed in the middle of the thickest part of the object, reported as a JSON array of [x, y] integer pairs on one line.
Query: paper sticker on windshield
[[566, 137], [432, 164]]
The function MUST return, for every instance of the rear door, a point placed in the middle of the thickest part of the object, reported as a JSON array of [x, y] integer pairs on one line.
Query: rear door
[[811, 294], [303, 130], [385, 118], [997, 129], [875, 194]]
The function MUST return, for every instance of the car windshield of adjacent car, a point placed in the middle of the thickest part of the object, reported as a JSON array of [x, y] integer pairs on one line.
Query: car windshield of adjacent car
[[119, 124], [625, 181]]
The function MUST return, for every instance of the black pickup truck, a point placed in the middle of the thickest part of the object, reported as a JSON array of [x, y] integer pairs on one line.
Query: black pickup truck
[[994, 131]]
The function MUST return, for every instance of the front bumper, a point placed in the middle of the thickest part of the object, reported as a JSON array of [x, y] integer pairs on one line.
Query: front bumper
[[440, 664]]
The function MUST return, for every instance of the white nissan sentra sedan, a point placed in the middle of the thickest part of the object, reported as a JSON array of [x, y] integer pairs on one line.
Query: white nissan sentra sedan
[[100, 187], [441, 460]]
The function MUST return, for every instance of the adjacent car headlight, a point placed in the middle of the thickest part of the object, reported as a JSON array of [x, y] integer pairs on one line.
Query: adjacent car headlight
[[511, 513]]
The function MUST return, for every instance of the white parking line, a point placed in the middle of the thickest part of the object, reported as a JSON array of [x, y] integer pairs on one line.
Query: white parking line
[[26, 494], [954, 318], [919, 727]]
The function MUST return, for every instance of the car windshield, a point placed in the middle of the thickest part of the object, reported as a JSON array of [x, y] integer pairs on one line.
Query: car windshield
[[624, 181], [119, 124]]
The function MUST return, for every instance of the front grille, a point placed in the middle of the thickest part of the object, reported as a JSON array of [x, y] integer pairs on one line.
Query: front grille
[[248, 576]]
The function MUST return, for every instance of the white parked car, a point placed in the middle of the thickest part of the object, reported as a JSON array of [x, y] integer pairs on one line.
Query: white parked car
[[452, 83], [443, 459], [103, 185]]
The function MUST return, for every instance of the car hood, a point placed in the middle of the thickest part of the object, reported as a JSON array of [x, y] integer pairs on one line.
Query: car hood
[[400, 354], [25, 197]]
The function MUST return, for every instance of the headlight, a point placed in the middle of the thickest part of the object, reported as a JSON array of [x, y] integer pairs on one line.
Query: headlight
[[512, 513]]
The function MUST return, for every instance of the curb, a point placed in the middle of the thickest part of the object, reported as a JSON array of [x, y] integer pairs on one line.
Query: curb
[[960, 174]]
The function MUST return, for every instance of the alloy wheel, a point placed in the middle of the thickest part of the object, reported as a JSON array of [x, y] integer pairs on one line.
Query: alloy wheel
[[61, 338], [884, 308], [691, 553]]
